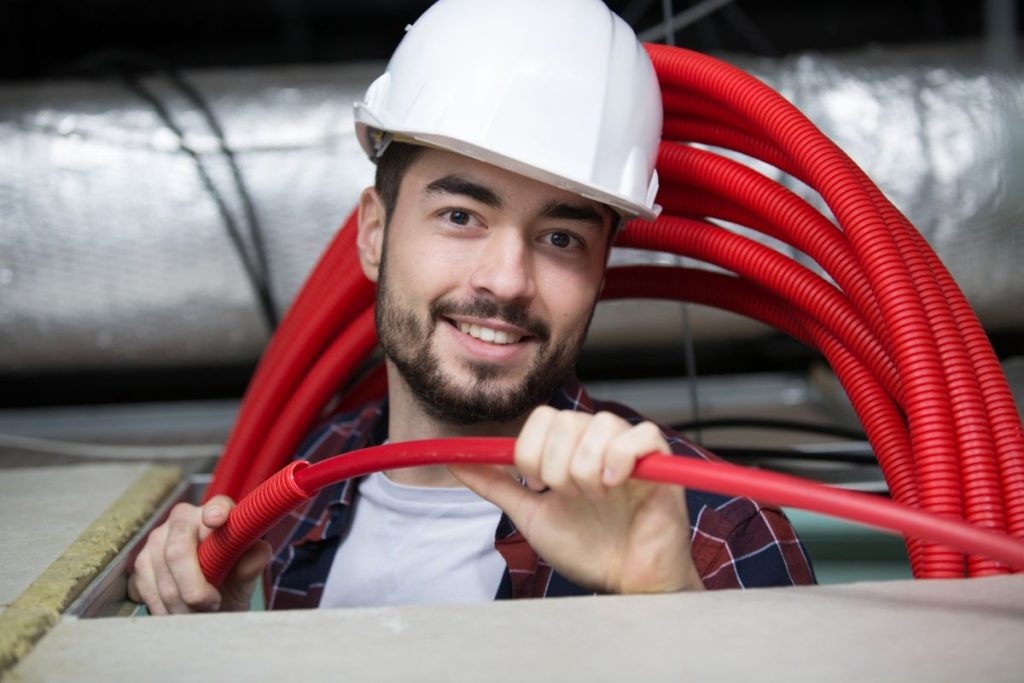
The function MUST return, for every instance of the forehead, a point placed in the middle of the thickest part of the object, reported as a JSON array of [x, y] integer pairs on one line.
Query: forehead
[[517, 192]]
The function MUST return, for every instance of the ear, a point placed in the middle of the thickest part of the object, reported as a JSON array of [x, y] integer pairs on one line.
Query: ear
[[370, 240]]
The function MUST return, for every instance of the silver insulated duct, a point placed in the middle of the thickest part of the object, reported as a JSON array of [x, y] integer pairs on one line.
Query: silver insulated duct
[[113, 252]]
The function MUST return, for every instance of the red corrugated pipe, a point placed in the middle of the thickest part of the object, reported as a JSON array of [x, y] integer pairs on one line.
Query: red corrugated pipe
[[299, 481], [867, 218], [905, 319], [333, 295]]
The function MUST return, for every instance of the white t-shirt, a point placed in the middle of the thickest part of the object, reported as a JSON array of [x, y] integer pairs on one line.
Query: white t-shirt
[[412, 544]]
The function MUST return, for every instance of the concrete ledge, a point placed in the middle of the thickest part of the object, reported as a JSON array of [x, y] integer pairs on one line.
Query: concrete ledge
[[39, 607], [959, 630]]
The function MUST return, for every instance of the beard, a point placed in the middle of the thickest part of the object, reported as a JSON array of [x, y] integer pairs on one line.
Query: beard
[[406, 341]]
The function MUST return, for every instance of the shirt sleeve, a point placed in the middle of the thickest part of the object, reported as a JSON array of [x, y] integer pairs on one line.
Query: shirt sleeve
[[743, 544]]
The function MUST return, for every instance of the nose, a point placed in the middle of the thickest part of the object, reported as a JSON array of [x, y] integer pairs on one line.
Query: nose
[[503, 268]]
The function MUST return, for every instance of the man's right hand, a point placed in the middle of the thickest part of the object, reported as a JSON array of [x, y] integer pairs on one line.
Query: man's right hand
[[166, 574]]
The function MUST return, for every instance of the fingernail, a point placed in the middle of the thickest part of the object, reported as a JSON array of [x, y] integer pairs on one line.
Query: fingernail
[[608, 476]]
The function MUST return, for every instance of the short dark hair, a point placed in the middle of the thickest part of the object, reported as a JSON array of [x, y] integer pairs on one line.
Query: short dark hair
[[391, 168]]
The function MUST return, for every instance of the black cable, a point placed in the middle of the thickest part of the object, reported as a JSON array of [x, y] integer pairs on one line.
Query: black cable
[[255, 278], [770, 423], [126, 65], [255, 231], [747, 455], [690, 355]]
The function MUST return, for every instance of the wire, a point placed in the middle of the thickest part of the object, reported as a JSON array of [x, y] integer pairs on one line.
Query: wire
[[127, 64], [255, 229], [771, 423], [691, 370], [808, 454], [256, 278]]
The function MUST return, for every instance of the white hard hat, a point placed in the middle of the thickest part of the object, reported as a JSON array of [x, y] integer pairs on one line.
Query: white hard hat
[[556, 90]]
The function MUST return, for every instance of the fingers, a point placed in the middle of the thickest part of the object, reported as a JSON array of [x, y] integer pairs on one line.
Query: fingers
[[183, 587], [142, 583], [624, 449], [573, 452], [591, 459], [167, 576], [215, 513], [163, 584], [545, 455], [529, 449]]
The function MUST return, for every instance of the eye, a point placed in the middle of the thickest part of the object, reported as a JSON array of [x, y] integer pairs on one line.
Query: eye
[[563, 240], [459, 217]]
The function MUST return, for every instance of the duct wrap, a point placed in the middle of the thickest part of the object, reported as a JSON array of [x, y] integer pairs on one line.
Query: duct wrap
[[113, 255]]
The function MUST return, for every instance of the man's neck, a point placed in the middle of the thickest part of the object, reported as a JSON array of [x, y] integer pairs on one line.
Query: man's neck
[[409, 421]]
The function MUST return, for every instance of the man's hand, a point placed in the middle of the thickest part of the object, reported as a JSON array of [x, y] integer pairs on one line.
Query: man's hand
[[166, 573], [594, 525]]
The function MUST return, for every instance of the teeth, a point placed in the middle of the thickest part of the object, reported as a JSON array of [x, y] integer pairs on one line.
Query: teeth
[[488, 335]]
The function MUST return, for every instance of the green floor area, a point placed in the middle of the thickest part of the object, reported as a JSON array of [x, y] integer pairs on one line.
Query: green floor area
[[843, 552]]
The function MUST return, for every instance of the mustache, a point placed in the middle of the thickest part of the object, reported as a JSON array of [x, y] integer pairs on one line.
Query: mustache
[[486, 308]]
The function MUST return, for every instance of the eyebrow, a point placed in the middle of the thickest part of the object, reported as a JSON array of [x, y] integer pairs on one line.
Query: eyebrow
[[456, 184], [572, 212], [460, 185]]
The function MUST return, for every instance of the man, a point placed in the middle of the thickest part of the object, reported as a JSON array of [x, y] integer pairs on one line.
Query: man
[[503, 173]]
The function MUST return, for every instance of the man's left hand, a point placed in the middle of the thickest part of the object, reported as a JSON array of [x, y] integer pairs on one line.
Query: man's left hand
[[580, 510]]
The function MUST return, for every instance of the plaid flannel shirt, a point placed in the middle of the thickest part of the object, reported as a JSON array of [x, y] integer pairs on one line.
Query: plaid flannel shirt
[[735, 542]]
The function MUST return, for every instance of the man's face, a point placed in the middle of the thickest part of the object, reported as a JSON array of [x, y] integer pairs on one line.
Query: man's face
[[487, 284]]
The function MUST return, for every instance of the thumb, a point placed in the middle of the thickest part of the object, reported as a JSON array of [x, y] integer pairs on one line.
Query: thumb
[[496, 485], [215, 512]]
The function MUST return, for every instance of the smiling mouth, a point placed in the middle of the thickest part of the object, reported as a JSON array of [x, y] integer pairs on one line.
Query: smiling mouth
[[487, 334]]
